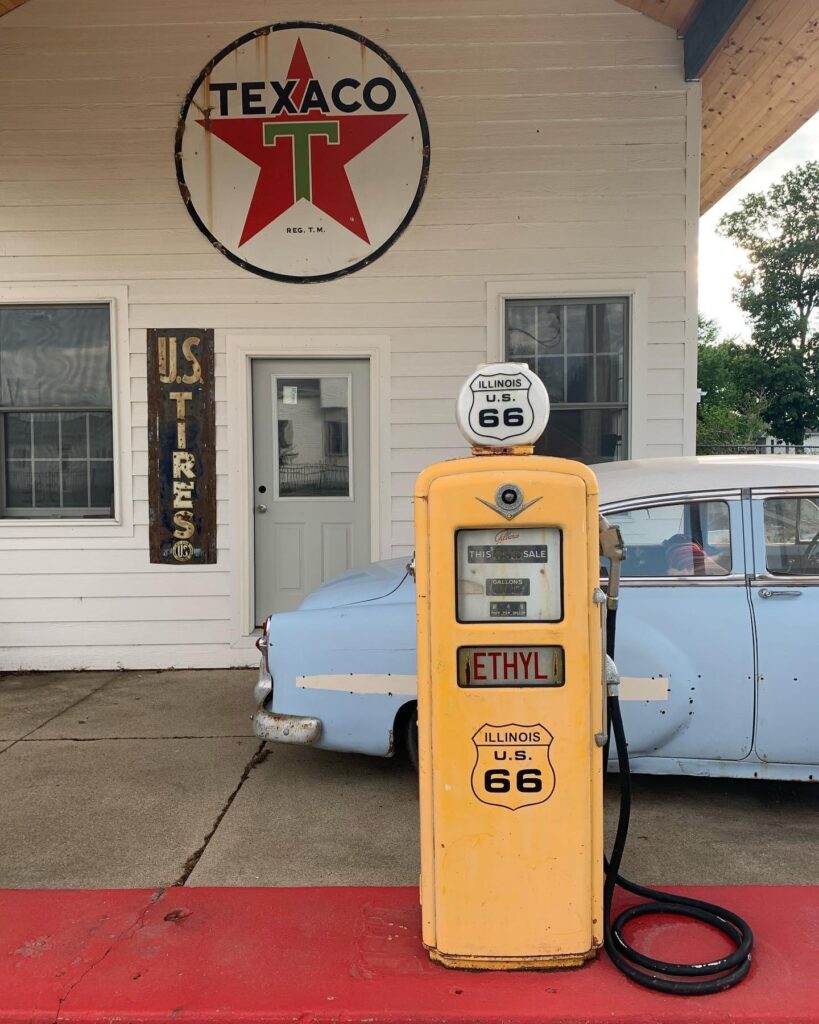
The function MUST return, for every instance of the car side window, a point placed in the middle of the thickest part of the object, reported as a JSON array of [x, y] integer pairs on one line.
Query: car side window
[[689, 539], [792, 535]]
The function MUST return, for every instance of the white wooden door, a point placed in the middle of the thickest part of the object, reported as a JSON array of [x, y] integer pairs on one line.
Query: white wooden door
[[311, 487]]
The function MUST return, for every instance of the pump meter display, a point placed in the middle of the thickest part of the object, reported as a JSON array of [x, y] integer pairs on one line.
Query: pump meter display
[[509, 575]]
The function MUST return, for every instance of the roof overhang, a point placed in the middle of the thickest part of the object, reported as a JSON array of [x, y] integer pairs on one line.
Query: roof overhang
[[758, 61]]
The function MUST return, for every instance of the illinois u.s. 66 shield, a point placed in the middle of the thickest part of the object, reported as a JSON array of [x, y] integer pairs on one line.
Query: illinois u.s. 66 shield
[[512, 765], [502, 404]]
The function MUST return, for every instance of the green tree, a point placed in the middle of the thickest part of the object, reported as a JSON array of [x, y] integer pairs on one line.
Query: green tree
[[779, 231], [732, 379]]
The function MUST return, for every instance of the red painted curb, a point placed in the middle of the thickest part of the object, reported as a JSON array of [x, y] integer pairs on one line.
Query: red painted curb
[[248, 956]]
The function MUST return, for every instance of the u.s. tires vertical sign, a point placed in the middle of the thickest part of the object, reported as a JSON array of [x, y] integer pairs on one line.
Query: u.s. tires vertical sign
[[181, 447]]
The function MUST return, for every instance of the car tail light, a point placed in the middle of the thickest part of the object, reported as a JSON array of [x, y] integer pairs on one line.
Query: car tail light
[[261, 641]]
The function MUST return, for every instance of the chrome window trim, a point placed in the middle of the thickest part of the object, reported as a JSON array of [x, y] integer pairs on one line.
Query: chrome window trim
[[731, 580], [782, 580], [677, 498], [796, 491]]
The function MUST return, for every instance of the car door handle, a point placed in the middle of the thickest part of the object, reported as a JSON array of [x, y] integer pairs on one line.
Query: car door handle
[[764, 592]]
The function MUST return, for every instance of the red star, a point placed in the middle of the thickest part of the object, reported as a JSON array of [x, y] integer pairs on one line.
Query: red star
[[329, 186]]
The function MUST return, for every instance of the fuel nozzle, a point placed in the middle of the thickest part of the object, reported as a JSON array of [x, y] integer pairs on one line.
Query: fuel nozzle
[[613, 549]]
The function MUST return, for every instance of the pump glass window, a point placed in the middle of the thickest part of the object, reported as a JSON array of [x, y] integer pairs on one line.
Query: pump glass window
[[792, 535], [313, 431], [511, 575], [56, 433], [579, 349], [689, 539]]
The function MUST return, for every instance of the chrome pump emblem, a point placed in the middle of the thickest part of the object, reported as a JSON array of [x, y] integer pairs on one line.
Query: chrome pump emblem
[[508, 501]]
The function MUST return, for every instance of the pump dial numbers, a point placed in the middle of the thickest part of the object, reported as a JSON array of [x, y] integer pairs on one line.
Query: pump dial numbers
[[509, 574]]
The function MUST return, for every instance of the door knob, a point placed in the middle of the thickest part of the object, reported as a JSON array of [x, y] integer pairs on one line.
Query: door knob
[[261, 508]]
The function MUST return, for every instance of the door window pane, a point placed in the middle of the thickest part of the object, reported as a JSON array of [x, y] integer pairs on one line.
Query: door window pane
[[689, 539], [579, 349], [55, 363], [792, 535], [312, 434]]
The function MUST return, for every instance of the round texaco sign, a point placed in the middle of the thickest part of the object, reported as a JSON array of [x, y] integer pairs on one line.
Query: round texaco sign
[[302, 151]]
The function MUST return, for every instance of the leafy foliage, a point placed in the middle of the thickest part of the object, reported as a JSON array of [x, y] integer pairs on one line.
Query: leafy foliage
[[733, 378], [779, 231]]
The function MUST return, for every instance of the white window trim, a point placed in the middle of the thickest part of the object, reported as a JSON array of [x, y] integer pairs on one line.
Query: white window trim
[[14, 530], [557, 287], [241, 348]]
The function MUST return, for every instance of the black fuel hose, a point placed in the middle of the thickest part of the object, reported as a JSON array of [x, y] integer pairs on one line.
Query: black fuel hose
[[705, 978]]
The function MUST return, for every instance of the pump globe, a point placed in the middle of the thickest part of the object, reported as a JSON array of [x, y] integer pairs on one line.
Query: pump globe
[[502, 405]]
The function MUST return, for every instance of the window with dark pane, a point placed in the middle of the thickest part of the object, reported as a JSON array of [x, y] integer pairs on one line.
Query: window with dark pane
[[579, 349], [56, 432]]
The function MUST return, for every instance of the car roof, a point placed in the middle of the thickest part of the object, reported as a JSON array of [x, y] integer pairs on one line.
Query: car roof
[[637, 478]]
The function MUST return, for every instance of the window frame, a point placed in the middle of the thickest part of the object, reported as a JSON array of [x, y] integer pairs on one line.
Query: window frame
[[590, 358], [761, 574], [732, 498], [16, 528], [557, 288]]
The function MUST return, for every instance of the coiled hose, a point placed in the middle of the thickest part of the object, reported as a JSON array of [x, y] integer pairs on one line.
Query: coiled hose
[[661, 975]]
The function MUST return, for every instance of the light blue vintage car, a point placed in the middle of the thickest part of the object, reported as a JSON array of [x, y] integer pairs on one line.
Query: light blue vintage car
[[717, 633]]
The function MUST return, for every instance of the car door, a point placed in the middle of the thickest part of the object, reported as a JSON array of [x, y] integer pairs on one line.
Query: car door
[[684, 630], [785, 601]]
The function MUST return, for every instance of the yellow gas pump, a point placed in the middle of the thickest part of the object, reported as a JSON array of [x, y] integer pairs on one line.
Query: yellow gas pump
[[515, 707], [510, 691]]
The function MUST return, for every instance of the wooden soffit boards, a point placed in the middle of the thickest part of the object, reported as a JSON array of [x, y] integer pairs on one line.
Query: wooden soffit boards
[[760, 84], [9, 5]]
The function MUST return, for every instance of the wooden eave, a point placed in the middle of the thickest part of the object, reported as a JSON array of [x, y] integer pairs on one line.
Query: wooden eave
[[758, 61], [760, 82]]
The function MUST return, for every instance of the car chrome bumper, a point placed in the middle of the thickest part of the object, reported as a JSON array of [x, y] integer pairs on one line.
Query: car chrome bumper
[[267, 725]]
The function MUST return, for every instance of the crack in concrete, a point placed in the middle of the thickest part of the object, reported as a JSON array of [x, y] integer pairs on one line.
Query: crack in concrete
[[258, 757], [124, 934], [114, 739], [62, 711]]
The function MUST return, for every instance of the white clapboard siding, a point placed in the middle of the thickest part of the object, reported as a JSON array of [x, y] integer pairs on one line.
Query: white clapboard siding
[[560, 150]]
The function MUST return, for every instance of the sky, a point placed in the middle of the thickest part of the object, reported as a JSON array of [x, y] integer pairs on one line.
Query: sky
[[719, 258]]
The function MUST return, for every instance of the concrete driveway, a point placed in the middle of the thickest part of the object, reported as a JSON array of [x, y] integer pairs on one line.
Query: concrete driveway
[[150, 779]]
